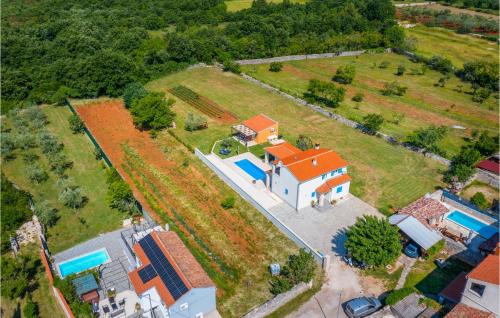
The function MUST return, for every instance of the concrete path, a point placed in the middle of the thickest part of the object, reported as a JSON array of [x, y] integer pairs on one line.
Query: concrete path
[[408, 263]]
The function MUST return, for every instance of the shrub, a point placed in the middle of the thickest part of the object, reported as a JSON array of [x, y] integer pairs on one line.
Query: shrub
[[119, 196], [479, 200], [132, 92], [304, 142], [49, 143], [394, 88], [398, 295], [372, 123], [428, 138], [401, 70], [76, 124], [435, 249], [481, 73], [228, 202], [72, 197], [324, 93], [279, 284], [30, 309], [195, 122], [481, 94], [275, 67], [46, 214], [373, 240], [344, 74], [231, 66], [440, 64], [486, 144], [462, 165], [299, 268], [153, 111], [358, 97], [384, 64], [226, 143], [36, 174]]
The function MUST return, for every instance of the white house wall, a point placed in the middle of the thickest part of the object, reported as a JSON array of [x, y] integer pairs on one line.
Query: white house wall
[[285, 181], [487, 302], [306, 189], [151, 299], [194, 302]]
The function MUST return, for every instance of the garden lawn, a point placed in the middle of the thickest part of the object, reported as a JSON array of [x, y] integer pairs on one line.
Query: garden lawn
[[383, 175], [237, 5], [490, 193], [459, 48], [422, 105], [95, 217], [428, 278]]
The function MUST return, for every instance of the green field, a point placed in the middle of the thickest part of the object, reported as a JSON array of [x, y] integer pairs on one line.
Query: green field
[[95, 217], [383, 175], [422, 105], [236, 5], [459, 48]]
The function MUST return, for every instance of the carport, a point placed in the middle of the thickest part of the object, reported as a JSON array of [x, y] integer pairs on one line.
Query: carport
[[415, 230]]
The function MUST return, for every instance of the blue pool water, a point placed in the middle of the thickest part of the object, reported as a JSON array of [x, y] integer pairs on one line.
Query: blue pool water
[[83, 263], [251, 169], [470, 223]]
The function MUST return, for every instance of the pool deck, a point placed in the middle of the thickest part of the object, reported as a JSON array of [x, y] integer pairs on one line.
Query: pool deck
[[112, 242]]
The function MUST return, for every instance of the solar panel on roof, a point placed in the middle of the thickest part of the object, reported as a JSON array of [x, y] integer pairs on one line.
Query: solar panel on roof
[[147, 273], [162, 267]]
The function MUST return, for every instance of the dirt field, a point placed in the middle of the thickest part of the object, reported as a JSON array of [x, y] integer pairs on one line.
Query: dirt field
[[234, 246]]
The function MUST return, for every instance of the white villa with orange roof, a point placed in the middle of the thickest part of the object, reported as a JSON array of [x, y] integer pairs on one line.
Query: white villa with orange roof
[[303, 178]]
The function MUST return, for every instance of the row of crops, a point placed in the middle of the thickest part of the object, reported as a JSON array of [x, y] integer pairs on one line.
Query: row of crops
[[199, 102]]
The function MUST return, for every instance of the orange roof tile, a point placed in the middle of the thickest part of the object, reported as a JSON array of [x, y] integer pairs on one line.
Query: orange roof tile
[[282, 150], [487, 270], [464, 311], [259, 122], [332, 183], [303, 167], [453, 292], [183, 262]]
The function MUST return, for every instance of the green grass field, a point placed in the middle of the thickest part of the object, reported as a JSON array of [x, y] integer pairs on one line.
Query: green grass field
[[459, 48], [422, 105], [95, 217], [237, 5], [383, 175]]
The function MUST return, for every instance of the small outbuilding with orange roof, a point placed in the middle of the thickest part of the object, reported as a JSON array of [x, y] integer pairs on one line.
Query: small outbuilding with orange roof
[[256, 130]]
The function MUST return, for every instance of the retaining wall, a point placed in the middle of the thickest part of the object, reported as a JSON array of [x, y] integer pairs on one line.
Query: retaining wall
[[321, 259], [301, 57]]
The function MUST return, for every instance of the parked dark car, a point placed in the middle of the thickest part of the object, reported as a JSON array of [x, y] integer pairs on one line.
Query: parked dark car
[[411, 250], [362, 307]]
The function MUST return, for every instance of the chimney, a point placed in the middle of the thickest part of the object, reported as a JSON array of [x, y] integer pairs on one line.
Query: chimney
[[316, 146], [314, 162]]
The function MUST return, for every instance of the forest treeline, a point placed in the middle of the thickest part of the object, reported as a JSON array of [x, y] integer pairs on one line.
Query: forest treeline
[[87, 48]]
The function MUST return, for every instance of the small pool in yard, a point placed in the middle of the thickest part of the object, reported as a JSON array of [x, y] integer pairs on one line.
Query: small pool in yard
[[472, 224], [83, 262], [251, 169]]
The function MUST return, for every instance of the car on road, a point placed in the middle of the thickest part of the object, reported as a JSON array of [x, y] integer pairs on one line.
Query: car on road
[[411, 250], [362, 307]]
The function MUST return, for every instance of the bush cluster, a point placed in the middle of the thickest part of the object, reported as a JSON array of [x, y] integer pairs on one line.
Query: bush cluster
[[298, 268]]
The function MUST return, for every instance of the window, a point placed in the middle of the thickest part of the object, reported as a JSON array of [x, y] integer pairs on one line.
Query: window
[[313, 194], [286, 191], [277, 170], [339, 170], [184, 306], [339, 189], [323, 176], [332, 173], [199, 315], [477, 289]]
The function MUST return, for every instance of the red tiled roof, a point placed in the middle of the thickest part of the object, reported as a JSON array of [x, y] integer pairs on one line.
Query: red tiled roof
[[453, 292], [332, 183], [311, 163], [259, 122], [487, 270], [489, 165], [183, 262], [282, 150], [424, 208], [464, 311]]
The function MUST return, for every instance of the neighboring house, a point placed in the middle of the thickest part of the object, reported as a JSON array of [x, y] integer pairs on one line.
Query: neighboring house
[[168, 279], [476, 294], [424, 236], [304, 178], [428, 211], [256, 130], [412, 307], [488, 171]]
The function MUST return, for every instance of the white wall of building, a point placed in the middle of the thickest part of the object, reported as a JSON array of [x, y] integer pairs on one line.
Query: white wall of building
[[487, 302], [151, 299], [285, 185]]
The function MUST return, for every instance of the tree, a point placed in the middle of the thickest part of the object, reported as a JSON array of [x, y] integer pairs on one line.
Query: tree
[[481, 73], [72, 197], [76, 124], [462, 165], [275, 67], [374, 241], [46, 214], [280, 284], [486, 144], [304, 142], [394, 88], [344, 74], [372, 123], [120, 196], [231, 66], [62, 93], [132, 92], [49, 143], [30, 309], [427, 138], [153, 112], [195, 122], [14, 280], [36, 174], [479, 200], [325, 93], [358, 97], [299, 268], [480, 94], [401, 70], [440, 64]]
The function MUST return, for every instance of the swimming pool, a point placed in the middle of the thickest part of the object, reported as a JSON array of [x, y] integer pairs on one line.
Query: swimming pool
[[83, 262], [472, 224], [251, 169]]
